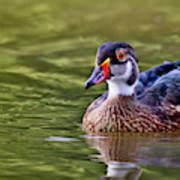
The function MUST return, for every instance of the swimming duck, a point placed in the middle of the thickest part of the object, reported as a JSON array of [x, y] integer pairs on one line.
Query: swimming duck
[[134, 102]]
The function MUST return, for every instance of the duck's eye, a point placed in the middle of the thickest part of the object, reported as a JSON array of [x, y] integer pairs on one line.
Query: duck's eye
[[120, 54]]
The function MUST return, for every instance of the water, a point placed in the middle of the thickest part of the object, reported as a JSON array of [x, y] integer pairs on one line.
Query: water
[[47, 51]]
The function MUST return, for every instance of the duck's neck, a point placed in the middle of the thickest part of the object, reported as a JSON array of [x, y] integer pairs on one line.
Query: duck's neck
[[117, 87]]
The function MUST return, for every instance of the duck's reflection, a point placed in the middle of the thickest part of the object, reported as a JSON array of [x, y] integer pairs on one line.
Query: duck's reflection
[[122, 171], [123, 152], [121, 147]]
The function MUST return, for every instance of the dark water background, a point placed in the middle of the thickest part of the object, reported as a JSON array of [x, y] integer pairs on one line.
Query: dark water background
[[47, 50]]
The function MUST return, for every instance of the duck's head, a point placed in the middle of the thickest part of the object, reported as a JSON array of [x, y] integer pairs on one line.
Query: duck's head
[[116, 63]]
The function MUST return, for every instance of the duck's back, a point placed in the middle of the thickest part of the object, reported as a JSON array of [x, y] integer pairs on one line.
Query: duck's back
[[165, 90], [149, 77], [164, 96]]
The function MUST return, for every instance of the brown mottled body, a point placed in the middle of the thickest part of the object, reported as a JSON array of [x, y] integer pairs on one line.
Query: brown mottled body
[[124, 114]]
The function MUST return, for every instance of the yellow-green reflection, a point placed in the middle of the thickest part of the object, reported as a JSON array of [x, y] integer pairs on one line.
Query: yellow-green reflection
[[46, 51]]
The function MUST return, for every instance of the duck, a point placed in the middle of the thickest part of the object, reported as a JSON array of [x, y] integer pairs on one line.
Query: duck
[[134, 102]]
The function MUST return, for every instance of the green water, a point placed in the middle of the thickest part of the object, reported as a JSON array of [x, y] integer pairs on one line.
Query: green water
[[47, 50]]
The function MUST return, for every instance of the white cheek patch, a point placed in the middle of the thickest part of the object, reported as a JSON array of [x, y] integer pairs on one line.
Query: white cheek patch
[[123, 74], [118, 69], [118, 84]]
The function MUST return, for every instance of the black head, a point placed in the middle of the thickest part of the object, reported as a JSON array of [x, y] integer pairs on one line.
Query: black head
[[114, 60], [109, 50]]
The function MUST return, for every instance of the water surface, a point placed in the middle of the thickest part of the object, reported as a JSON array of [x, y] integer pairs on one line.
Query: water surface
[[47, 50]]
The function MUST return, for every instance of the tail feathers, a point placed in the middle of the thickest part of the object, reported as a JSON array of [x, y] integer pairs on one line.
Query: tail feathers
[[171, 112]]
